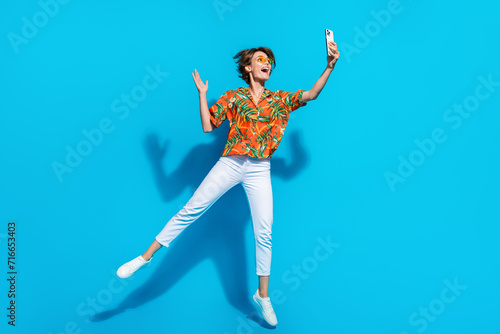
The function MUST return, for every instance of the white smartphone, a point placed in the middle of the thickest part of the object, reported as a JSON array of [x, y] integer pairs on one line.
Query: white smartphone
[[329, 38]]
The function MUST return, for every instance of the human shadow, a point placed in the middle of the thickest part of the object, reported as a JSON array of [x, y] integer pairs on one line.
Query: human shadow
[[219, 235]]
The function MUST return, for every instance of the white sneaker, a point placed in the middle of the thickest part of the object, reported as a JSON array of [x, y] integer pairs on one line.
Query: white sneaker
[[129, 268], [266, 308]]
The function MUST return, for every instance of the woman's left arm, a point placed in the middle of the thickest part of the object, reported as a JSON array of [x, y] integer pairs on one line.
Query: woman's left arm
[[313, 93]]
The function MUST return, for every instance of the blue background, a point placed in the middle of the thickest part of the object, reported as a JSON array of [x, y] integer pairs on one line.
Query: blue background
[[398, 243]]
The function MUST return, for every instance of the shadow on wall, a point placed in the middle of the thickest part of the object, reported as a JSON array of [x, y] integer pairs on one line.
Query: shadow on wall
[[218, 235]]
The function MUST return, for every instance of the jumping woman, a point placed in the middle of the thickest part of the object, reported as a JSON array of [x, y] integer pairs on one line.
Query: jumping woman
[[257, 119]]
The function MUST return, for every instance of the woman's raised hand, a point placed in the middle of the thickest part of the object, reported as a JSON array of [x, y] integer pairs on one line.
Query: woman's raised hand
[[202, 87], [334, 52]]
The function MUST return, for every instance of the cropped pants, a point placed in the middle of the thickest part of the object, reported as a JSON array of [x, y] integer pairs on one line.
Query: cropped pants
[[255, 177]]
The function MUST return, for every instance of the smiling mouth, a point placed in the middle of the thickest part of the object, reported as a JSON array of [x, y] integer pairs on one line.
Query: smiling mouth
[[265, 69]]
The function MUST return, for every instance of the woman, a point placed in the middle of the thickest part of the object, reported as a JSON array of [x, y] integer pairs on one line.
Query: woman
[[258, 118]]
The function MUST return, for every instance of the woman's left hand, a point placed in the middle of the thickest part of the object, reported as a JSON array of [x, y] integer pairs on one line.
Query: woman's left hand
[[333, 54]]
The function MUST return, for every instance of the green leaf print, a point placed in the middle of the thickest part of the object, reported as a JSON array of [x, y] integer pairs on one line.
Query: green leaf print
[[232, 142], [237, 129], [263, 149], [255, 152], [242, 96], [263, 137], [264, 119]]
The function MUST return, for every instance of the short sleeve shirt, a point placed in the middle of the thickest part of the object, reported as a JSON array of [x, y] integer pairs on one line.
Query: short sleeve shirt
[[254, 130]]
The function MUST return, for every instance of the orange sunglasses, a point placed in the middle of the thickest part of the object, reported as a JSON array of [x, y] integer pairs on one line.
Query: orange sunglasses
[[262, 60]]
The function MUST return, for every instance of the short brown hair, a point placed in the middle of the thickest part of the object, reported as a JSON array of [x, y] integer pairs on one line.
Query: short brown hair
[[244, 58]]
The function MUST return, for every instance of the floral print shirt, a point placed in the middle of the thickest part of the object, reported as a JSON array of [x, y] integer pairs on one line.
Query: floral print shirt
[[255, 130]]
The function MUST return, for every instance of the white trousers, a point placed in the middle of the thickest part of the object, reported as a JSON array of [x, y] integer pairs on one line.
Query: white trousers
[[255, 177]]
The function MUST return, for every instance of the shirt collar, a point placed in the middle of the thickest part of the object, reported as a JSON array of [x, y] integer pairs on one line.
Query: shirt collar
[[265, 94]]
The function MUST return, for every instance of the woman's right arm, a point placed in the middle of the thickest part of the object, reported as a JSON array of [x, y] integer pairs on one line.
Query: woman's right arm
[[206, 123]]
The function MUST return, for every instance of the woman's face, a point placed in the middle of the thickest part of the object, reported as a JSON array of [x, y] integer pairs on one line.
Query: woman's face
[[260, 68]]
